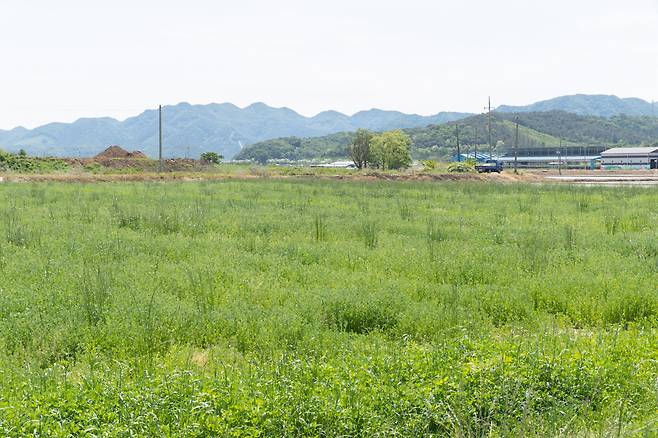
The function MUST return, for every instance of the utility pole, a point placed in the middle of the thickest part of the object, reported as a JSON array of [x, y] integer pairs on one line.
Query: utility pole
[[559, 159], [475, 135], [516, 145], [489, 124], [459, 154], [160, 139]]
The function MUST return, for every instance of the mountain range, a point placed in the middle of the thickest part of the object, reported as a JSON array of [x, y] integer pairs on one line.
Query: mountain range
[[190, 130], [598, 105]]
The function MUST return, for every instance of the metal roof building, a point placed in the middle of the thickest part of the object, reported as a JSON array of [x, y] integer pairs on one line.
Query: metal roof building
[[567, 161], [630, 158], [480, 157]]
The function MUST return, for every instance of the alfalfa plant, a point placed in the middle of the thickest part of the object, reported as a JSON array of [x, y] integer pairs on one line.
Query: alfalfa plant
[[319, 228]]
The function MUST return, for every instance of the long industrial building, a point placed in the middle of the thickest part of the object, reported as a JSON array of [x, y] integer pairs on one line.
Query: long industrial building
[[630, 158], [567, 161]]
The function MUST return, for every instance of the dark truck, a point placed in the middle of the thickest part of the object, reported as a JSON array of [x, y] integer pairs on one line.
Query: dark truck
[[489, 166]]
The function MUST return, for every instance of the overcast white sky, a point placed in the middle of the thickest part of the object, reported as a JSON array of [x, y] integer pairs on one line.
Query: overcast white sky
[[78, 58]]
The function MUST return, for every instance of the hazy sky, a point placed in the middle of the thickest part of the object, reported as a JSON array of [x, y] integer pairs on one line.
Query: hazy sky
[[72, 58]]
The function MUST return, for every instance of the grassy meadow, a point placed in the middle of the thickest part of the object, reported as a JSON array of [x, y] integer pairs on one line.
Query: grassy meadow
[[322, 308]]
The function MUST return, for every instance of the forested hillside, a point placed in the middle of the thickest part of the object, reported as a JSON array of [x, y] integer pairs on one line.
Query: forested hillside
[[295, 148], [536, 130]]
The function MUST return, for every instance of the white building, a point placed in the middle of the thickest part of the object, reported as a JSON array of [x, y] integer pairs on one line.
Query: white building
[[630, 158]]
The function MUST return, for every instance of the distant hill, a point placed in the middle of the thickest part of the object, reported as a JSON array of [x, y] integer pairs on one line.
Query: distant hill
[[536, 130], [190, 130], [587, 105]]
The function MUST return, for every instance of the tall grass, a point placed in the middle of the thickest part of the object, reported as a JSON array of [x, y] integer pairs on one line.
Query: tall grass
[[311, 308], [319, 228], [370, 233], [95, 289]]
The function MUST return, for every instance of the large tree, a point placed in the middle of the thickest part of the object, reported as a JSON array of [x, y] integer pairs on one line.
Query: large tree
[[360, 148], [391, 150]]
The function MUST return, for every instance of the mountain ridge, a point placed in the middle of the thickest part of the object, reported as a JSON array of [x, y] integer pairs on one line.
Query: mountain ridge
[[191, 129], [599, 105]]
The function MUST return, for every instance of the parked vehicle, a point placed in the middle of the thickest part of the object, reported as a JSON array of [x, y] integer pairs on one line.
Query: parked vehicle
[[489, 166]]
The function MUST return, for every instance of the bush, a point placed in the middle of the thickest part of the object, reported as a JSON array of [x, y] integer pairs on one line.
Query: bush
[[211, 157], [463, 167], [23, 163], [429, 164]]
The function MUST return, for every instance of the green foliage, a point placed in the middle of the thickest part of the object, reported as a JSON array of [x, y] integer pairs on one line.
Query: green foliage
[[327, 308], [429, 164], [462, 166], [573, 128], [360, 148], [22, 163], [391, 150], [293, 148], [211, 157]]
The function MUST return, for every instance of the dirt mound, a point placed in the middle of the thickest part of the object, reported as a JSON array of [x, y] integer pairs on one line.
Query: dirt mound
[[118, 152]]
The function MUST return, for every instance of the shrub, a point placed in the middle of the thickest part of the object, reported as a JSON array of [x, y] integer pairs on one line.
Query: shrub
[[461, 167], [211, 157], [429, 164]]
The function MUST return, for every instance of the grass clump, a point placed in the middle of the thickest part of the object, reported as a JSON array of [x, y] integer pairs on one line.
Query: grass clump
[[370, 234], [360, 315], [319, 228]]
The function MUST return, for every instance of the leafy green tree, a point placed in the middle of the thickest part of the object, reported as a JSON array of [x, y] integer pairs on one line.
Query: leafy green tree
[[360, 148], [211, 157], [391, 150]]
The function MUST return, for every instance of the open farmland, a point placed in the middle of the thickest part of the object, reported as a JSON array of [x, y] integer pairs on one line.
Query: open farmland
[[324, 308]]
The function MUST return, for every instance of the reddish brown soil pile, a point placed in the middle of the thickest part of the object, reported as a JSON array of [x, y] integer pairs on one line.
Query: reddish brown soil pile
[[118, 152]]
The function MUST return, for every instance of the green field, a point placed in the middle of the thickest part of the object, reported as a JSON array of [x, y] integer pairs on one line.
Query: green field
[[324, 308]]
